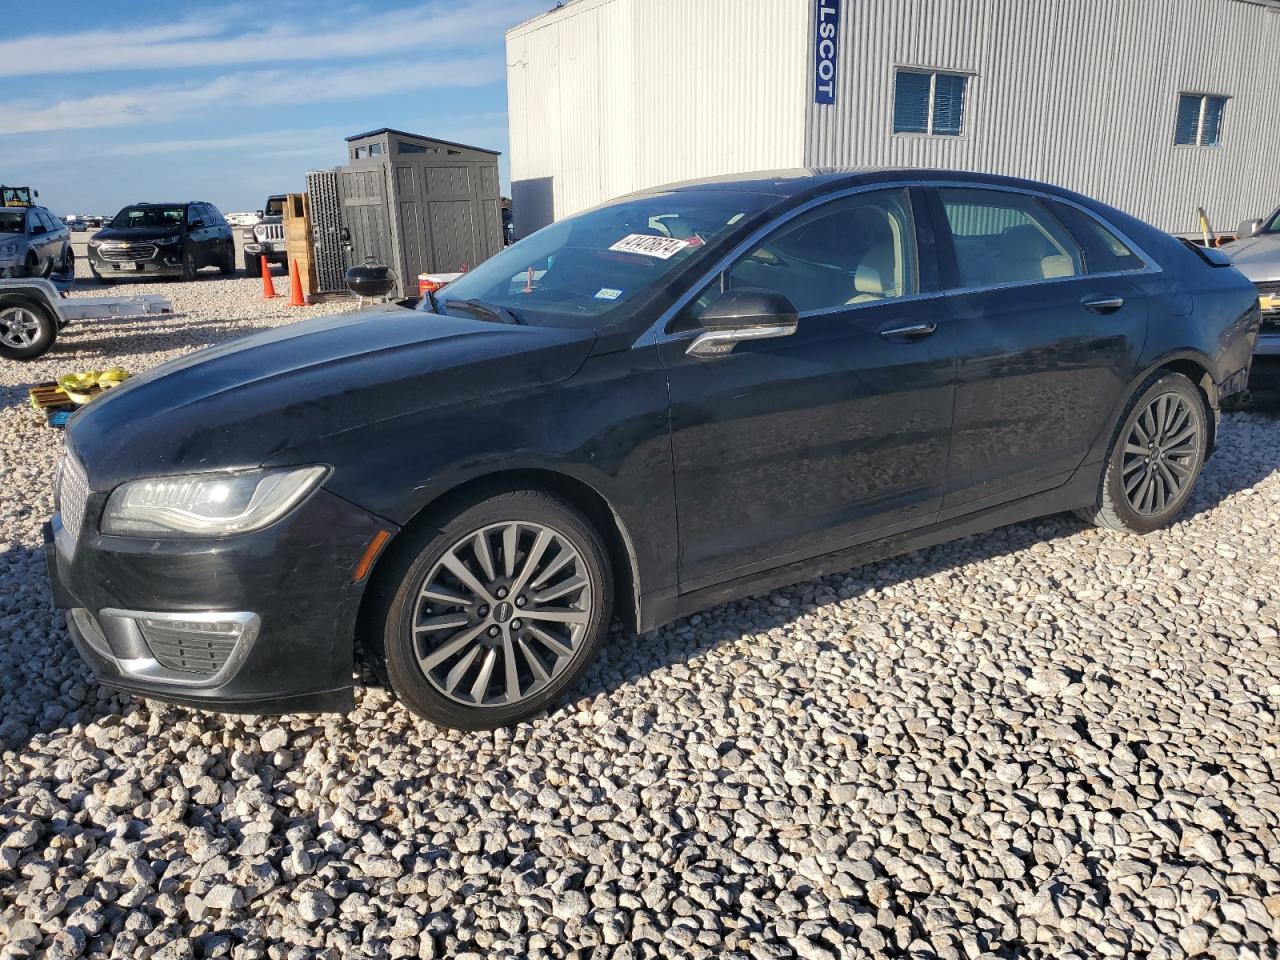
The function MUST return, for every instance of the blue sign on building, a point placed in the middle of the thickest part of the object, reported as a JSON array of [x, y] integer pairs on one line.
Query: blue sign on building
[[825, 50]]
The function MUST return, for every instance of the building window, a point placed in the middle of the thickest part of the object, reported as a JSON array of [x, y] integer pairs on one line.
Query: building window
[[929, 102], [1199, 120]]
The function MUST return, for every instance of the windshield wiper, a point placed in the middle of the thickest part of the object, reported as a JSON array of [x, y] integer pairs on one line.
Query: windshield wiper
[[491, 311]]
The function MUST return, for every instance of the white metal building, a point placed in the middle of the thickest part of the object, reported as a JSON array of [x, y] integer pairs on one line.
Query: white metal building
[[1155, 106]]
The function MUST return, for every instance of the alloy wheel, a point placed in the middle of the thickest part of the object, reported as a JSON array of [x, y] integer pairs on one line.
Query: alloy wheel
[[19, 327], [1160, 454], [502, 614]]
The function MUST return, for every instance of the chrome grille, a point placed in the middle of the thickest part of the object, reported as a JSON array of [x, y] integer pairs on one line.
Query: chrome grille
[[127, 252], [71, 495], [269, 232], [1269, 297]]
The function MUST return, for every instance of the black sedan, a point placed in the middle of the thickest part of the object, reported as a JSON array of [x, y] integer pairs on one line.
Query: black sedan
[[675, 399]]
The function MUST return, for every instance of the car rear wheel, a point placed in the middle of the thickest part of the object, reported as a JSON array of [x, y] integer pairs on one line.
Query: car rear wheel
[[68, 261], [1156, 457], [228, 265], [252, 266], [27, 329], [491, 615]]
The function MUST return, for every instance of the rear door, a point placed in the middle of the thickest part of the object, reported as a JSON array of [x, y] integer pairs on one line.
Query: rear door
[[797, 446], [1050, 334]]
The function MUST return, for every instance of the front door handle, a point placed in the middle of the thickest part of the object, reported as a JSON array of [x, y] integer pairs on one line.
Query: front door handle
[[910, 331], [1104, 304]]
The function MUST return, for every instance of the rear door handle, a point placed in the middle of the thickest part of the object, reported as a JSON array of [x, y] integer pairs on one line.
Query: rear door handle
[[910, 331], [1104, 304]]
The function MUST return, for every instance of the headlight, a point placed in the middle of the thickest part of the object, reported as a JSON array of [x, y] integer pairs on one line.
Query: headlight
[[174, 238], [9, 249], [246, 234], [207, 504], [95, 242]]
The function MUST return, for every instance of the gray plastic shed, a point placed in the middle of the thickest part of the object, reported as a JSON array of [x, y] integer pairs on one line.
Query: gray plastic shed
[[418, 204]]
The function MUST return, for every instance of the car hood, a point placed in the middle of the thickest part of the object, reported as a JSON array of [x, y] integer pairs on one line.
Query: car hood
[[135, 233], [251, 401], [1258, 258]]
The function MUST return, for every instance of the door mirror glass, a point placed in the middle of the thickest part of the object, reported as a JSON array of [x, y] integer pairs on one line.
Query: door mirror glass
[[197, 224], [1248, 228], [38, 229]]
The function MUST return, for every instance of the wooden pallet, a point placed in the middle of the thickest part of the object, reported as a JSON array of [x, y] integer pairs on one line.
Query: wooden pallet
[[49, 397]]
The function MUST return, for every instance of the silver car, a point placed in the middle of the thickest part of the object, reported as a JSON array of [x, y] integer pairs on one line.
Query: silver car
[[1257, 255], [33, 243]]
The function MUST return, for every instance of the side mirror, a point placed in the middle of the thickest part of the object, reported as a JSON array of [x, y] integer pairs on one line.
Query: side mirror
[[38, 230], [196, 224], [1248, 228], [748, 313]]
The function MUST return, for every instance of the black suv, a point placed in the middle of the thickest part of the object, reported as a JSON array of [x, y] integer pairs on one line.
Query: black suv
[[162, 239]]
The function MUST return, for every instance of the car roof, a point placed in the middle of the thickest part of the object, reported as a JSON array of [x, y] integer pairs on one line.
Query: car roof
[[803, 181]]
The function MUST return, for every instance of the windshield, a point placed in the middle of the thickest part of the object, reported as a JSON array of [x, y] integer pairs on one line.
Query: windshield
[[148, 217], [275, 207], [574, 272], [11, 221]]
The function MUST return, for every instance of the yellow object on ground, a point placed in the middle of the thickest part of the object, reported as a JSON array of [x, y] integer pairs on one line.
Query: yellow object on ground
[[80, 386]]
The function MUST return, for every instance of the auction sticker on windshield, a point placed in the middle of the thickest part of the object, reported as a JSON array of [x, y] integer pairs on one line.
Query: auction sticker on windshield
[[664, 248]]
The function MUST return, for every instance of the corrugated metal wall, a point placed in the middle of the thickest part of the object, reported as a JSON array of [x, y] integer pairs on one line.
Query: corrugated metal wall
[[610, 96], [1080, 93]]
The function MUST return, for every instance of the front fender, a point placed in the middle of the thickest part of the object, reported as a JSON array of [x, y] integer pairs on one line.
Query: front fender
[[606, 428]]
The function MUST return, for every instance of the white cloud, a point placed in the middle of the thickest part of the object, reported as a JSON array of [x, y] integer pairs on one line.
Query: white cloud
[[257, 88], [209, 41], [274, 140]]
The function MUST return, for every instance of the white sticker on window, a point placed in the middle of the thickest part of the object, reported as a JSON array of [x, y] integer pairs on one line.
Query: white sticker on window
[[608, 293], [664, 248]]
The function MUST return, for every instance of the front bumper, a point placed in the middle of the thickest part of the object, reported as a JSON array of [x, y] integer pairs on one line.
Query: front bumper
[[274, 252], [292, 583]]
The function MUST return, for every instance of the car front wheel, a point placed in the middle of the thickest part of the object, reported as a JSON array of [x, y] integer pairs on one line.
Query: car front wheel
[[189, 265], [490, 616], [1156, 457]]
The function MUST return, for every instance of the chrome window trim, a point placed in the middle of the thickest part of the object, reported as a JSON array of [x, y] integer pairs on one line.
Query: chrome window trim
[[656, 332]]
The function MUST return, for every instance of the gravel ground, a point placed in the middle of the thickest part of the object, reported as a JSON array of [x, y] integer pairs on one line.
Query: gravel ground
[[1048, 741]]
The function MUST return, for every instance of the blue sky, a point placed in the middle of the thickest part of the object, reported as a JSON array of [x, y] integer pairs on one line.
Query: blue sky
[[111, 103]]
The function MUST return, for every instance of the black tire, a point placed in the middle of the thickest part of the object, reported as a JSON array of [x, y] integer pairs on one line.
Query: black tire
[[188, 265], [228, 265], [30, 267], [252, 266], [68, 261], [397, 604], [1169, 469], [38, 323]]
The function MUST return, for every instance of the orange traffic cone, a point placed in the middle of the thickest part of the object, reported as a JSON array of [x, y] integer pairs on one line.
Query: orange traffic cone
[[295, 287], [268, 289]]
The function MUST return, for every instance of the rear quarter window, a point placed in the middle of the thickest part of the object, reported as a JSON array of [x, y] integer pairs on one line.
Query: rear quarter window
[[1104, 252]]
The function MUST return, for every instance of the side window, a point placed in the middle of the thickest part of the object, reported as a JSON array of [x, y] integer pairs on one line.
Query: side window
[[1007, 238], [859, 249], [1104, 252]]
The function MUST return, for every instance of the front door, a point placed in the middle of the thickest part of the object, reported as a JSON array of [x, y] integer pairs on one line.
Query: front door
[[794, 447], [1050, 331]]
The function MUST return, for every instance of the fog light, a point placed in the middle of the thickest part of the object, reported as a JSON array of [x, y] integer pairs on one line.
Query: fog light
[[199, 645]]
